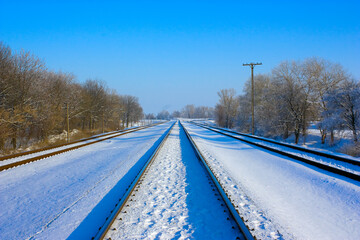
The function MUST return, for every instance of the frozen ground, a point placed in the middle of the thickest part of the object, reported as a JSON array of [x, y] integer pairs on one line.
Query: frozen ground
[[310, 156], [175, 200], [274, 193], [69, 195], [342, 139], [24, 157]]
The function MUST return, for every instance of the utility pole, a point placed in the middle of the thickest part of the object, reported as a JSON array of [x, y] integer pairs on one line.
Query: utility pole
[[67, 122], [252, 95], [102, 128], [103, 121]]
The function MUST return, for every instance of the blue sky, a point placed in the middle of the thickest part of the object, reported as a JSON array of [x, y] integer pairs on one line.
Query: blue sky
[[173, 53]]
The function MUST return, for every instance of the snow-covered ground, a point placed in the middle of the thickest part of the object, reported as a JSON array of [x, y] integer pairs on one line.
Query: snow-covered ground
[[24, 157], [348, 167], [70, 195], [175, 200], [277, 194], [342, 139]]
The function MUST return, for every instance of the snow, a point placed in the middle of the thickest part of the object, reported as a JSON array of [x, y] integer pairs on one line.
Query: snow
[[342, 138], [62, 136], [24, 157], [175, 200], [276, 194], [310, 156], [69, 195]]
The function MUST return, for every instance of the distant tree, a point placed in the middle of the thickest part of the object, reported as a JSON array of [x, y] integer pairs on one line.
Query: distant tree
[[294, 90], [33, 101], [133, 111], [94, 101], [203, 112], [261, 87], [6, 70], [189, 111], [21, 96], [163, 115], [52, 95], [327, 77], [150, 116], [220, 115], [226, 109], [343, 107], [176, 114]]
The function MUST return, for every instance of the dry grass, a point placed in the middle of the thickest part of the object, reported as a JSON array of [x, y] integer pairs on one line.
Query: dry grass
[[47, 143]]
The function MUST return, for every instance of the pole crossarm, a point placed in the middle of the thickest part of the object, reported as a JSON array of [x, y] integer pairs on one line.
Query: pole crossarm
[[251, 64]]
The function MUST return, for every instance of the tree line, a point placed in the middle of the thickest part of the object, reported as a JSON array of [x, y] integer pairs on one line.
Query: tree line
[[36, 102], [189, 111], [291, 97]]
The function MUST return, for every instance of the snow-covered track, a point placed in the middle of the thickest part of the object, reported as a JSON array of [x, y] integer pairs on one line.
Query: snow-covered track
[[307, 150], [148, 175], [227, 199], [122, 201], [58, 149], [304, 155]]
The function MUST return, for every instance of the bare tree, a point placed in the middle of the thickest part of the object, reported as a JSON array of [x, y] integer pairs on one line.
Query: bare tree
[[226, 109], [35, 102], [176, 114], [132, 109], [294, 90], [163, 115], [261, 87], [327, 77], [21, 95], [203, 112], [344, 106], [188, 111]]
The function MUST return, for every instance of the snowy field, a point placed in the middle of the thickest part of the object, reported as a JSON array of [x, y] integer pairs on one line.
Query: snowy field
[[175, 200], [24, 157], [342, 139], [280, 197], [69, 195], [348, 167]]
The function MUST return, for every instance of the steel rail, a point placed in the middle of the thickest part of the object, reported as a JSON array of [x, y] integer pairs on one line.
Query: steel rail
[[32, 159], [122, 202], [293, 156], [322, 154], [227, 199], [65, 144]]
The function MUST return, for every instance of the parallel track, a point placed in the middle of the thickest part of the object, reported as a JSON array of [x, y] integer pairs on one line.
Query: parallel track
[[55, 152], [227, 199], [307, 150], [59, 145], [328, 168], [136, 183]]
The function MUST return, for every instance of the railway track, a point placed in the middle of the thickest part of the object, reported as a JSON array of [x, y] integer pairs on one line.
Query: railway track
[[18, 159], [343, 166], [115, 219]]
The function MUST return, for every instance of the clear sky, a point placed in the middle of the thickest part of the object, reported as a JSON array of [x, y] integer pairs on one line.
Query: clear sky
[[173, 53]]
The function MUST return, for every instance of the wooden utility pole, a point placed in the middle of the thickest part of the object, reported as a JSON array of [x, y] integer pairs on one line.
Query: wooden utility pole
[[67, 123], [252, 95], [103, 121]]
